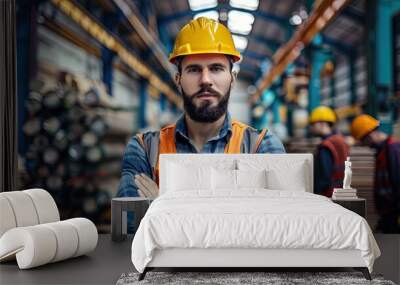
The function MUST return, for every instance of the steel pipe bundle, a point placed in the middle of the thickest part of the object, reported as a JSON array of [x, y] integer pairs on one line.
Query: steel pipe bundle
[[65, 132]]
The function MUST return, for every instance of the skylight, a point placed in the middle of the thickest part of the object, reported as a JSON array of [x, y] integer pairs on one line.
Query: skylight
[[251, 5], [209, 14], [240, 22], [240, 42], [241, 17], [196, 5], [238, 28]]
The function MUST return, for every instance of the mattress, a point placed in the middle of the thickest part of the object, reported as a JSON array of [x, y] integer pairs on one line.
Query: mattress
[[252, 219]]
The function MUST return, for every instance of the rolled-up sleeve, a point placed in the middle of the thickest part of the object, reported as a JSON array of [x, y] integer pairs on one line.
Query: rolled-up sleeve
[[134, 161], [271, 144]]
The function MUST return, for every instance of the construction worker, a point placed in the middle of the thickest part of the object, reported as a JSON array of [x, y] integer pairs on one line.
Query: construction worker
[[204, 54], [387, 169], [330, 154]]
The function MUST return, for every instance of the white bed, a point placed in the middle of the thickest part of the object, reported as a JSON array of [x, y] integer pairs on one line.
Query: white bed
[[209, 222]]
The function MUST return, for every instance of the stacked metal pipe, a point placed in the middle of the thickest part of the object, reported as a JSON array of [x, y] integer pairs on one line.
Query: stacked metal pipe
[[67, 153]]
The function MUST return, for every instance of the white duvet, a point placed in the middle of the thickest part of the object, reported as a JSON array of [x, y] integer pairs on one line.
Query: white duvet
[[252, 218]]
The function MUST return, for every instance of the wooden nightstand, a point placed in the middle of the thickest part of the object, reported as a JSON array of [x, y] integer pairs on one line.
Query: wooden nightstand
[[358, 205]]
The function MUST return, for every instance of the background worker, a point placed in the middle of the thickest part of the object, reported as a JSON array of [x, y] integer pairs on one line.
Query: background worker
[[204, 54], [387, 171], [330, 154]]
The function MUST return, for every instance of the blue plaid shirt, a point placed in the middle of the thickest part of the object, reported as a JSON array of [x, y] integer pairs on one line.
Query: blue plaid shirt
[[135, 160]]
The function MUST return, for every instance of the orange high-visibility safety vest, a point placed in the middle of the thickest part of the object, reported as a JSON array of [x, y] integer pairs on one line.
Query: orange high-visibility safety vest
[[166, 143]]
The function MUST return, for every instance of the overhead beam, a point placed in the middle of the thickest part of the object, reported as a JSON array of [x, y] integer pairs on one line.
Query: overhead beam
[[281, 21], [68, 34], [147, 35], [97, 31], [322, 14]]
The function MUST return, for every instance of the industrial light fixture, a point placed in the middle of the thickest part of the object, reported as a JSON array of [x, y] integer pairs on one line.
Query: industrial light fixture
[[240, 22], [236, 27], [295, 20], [240, 42], [242, 17], [299, 17], [251, 5], [209, 14], [196, 5], [303, 13], [147, 35]]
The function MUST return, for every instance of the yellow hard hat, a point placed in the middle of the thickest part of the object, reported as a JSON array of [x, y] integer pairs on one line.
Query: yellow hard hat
[[204, 35], [362, 125], [323, 114]]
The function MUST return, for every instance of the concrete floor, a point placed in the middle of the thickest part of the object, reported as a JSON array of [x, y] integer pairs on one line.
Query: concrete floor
[[111, 259], [389, 262]]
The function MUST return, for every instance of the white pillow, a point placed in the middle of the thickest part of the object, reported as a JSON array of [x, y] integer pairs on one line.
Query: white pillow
[[279, 180], [282, 174], [203, 160], [251, 178], [182, 177], [223, 179]]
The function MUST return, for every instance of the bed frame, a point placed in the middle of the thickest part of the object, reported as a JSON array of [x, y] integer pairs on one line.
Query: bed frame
[[242, 259], [246, 259]]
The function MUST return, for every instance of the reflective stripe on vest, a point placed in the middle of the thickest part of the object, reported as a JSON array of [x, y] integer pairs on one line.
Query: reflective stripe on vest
[[164, 142]]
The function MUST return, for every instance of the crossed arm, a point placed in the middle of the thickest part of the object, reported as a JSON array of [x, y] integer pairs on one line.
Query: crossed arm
[[136, 173]]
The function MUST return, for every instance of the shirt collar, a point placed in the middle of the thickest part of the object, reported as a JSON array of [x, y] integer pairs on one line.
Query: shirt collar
[[181, 128]]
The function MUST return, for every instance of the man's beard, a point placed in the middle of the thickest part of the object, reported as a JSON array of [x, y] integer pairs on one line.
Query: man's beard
[[205, 113]]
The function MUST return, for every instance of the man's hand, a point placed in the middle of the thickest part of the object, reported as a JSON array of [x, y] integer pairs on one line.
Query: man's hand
[[146, 186]]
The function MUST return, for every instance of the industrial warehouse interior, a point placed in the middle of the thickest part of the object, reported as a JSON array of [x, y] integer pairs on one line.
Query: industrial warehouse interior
[[200, 142]]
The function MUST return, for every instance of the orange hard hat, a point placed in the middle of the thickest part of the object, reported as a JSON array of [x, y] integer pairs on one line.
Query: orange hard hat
[[204, 35], [362, 125]]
